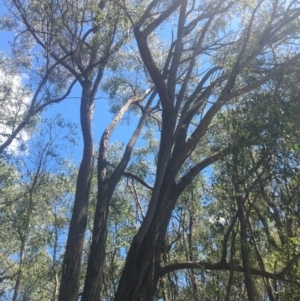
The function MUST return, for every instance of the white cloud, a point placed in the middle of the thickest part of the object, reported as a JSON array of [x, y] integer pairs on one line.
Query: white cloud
[[14, 100], [215, 219]]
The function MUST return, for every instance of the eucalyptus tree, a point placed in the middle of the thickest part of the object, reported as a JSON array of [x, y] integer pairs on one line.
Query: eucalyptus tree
[[212, 55], [217, 52], [36, 188], [29, 83], [256, 184], [77, 37], [123, 213], [205, 225]]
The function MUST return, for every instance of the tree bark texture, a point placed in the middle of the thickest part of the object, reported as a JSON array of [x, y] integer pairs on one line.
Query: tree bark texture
[[72, 261], [142, 268], [106, 187], [238, 183]]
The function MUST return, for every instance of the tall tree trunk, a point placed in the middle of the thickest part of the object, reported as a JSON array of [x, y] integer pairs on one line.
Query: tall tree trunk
[[142, 268], [55, 274], [190, 253], [238, 183], [106, 187], [20, 271], [141, 272], [93, 280], [72, 260], [24, 236], [245, 251]]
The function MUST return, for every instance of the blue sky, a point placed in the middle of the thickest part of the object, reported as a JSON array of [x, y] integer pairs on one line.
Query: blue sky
[[69, 108]]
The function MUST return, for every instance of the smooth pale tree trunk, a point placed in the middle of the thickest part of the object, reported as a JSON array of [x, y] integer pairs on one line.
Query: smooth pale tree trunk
[[69, 287]]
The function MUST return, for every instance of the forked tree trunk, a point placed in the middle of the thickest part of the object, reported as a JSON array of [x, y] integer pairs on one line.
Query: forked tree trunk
[[141, 272], [106, 187], [72, 261], [140, 276]]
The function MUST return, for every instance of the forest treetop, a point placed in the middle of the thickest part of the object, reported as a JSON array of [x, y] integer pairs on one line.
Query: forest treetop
[[212, 86]]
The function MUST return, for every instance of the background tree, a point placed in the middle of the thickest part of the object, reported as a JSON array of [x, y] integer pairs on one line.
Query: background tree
[[26, 91], [35, 193], [78, 37]]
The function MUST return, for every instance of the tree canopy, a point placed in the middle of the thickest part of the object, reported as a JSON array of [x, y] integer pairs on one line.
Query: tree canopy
[[201, 202]]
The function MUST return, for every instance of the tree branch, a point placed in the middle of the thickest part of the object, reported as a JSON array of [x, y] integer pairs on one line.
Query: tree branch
[[133, 176], [172, 267]]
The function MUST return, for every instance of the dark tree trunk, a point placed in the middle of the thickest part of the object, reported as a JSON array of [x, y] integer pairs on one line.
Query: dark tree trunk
[[245, 251], [93, 280], [141, 272], [140, 276], [72, 261], [106, 187], [238, 183]]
